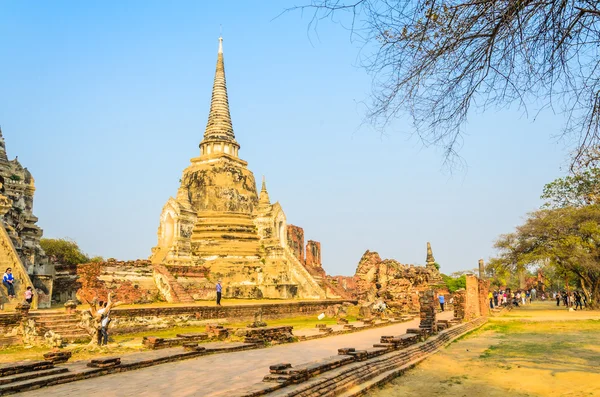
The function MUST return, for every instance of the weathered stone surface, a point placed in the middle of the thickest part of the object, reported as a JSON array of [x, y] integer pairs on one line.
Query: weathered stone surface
[[20, 249], [219, 222], [106, 362], [391, 281], [58, 357]]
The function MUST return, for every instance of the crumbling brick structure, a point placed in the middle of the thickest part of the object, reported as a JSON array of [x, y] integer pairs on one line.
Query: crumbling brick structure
[[472, 302], [428, 304], [313, 253], [295, 237]]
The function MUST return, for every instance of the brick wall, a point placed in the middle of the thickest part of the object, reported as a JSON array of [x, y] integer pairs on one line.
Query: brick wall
[[472, 308], [295, 237], [313, 253], [484, 303], [140, 319], [8, 321]]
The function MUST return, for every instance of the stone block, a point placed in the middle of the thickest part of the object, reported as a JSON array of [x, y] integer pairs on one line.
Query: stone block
[[105, 362], [58, 357], [346, 350], [277, 368]]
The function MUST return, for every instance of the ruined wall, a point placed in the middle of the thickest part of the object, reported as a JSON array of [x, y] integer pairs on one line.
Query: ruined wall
[[397, 284], [139, 319], [472, 301], [483, 291], [460, 298], [427, 310], [313, 253], [295, 239]]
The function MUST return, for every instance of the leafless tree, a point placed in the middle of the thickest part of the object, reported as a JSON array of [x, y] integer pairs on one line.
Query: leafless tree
[[440, 59]]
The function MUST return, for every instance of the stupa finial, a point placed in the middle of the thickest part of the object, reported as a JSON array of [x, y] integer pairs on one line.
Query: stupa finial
[[430, 259], [219, 128], [264, 195]]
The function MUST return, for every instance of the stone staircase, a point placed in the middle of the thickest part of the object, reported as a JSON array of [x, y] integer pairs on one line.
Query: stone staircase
[[14, 376], [169, 287], [64, 324]]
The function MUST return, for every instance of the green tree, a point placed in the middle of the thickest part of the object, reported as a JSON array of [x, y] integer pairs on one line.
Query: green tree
[[568, 239], [580, 189], [437, 60], [455, 283], [63, 251]]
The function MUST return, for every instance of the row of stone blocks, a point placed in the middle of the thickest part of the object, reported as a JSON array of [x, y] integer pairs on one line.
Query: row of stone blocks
[[154, 343], [279, 334], [351, 367], [19, 377]]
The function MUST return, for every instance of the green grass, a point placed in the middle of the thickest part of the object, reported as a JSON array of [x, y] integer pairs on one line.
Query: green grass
[[305, 322], [550, 342]]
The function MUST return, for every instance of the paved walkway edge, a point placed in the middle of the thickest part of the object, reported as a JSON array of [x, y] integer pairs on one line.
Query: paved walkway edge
[[338, 377], [87, 373], [386, 377]]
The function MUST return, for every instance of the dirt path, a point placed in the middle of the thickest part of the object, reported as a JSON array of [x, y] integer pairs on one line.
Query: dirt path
[[534, 351]]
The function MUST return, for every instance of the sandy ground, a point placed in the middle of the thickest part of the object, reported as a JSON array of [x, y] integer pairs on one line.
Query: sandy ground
[[535, 351]]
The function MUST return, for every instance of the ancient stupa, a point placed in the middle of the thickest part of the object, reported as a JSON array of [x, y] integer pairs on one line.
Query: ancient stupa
[[218, 227]]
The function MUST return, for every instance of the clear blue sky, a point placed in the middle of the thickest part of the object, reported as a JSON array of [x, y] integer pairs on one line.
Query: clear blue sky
[[106, 102]]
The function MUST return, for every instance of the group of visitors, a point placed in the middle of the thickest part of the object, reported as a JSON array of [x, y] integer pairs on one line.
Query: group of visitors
[[507, 297], [577, 298], [8, 280]]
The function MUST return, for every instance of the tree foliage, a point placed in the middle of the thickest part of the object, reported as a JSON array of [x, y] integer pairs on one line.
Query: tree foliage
[[63, 251], [577, 190], [438, 59], [455, 283], [567, 238]]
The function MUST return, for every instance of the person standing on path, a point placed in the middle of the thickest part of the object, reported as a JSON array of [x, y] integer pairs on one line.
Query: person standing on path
[[533, 294], [442, 301], [557, 295], [491, 298], [219, 290], [8, 280]]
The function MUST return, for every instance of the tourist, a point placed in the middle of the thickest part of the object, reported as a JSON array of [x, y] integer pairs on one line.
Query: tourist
[[104, 327], [100, 314], [518, 296], [496, 298], [29, 295], [527, 297], [8, 280], [578, 300], [557, 296], [491, 298], [524, 297], [533, 294], [219, 290], [504, 298], [442, 301]]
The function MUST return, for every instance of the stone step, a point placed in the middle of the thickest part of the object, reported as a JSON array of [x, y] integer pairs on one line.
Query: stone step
[[29, 384], [31, 375], [76, 338], [57, 322], [67, 329], [21, 367]]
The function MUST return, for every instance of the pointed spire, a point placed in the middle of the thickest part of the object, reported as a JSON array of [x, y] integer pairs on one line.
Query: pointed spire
[[219, 127], [430, 259], [264, 195]]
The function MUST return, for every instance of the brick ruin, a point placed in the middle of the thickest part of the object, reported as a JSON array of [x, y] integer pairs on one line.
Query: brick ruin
[[398, 285], [20, 235], [472, 301]]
